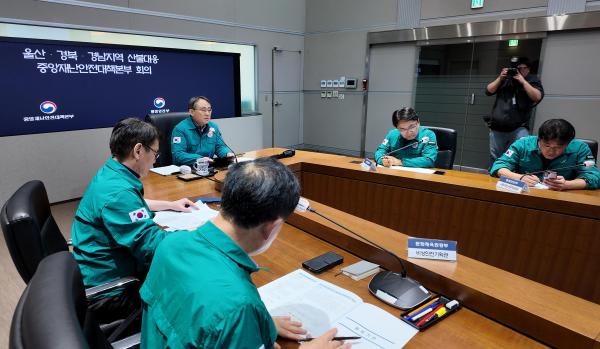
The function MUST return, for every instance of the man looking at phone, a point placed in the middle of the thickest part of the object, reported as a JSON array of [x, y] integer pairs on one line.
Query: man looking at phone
[[517, 93], [567, 162], [199, 293]]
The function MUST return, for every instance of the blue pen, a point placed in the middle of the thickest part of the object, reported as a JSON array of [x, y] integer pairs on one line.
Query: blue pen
[[430, 306]]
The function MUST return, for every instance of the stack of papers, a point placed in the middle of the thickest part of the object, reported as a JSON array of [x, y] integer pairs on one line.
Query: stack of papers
[[165, 170], [360, 270], [321, 305], [185, 220]]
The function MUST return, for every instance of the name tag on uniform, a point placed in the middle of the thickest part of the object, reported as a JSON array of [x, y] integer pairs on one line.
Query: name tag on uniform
[[369, 165], [512, 185], [444, 250]]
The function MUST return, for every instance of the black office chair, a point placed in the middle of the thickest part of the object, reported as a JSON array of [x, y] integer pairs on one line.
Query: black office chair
[[446, 142], [31, 234], [593, 146], [29, 228], [165, 124], [52, 312]]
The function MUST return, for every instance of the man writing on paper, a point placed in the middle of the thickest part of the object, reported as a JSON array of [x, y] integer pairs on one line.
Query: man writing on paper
[[554, 149], [408, 144], [199, 293], [113, 233], [197, 136]]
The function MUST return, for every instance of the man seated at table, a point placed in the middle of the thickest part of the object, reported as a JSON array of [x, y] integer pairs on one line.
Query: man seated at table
[[197, 136], [199, 293], [556, 149], [419, 143], [113, 233]]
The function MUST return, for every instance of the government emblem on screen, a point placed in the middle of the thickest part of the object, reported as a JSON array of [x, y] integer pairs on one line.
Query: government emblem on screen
[[48, 107]]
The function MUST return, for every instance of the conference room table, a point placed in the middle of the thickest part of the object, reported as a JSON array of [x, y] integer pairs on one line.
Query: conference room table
[[499, 307]]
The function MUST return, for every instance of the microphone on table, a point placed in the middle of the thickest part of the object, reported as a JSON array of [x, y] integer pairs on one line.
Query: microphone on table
[[586, 163], [424, 140], [227, 145], [397, 290]]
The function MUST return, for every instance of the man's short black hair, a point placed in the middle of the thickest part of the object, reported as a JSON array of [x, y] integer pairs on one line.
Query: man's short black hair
[[259, 191], [193, 100], [127, 133], [558, 130], [524, 61], [404, 114]]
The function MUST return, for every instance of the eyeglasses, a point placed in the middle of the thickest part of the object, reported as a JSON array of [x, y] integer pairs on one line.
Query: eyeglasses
[[156, 154], [548, 146], [410, 128], [204, 110], [521, 67]]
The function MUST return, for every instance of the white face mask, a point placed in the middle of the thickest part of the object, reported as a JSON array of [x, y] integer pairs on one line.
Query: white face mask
[[269, 241]]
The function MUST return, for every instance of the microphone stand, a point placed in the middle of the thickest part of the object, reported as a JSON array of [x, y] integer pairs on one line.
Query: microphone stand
[[397, 290], [555, 169], [414, 145]]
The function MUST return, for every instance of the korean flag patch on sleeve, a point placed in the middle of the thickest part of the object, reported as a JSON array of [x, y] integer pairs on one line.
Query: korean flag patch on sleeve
[[139, 214], [176, 140], [385, 141], [509, 153]]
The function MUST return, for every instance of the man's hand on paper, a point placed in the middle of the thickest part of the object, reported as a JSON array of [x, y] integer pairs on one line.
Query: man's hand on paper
[[325, 342], [288, 328], [183, 205]]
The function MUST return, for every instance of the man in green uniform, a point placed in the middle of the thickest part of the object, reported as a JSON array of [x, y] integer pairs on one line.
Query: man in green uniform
[[408, 144], [554, 149], [199, 293], [197, 136], [113, 233]]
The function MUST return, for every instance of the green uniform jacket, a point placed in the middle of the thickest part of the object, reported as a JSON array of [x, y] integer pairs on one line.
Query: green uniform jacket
[[423, 155], [524, 156], [188, 142], [113, 232], [199, 294]]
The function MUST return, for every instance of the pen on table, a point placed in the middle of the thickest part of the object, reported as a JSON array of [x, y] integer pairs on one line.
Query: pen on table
[[422, 311], [426, 318], [436, 299], [333, 339]]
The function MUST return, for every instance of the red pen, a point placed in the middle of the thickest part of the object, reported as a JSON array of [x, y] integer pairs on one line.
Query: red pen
[[424, 319]]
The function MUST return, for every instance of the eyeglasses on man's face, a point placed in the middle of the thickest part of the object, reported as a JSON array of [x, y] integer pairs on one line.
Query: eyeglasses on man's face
[[156, 154], [204, 110], [409, 128]]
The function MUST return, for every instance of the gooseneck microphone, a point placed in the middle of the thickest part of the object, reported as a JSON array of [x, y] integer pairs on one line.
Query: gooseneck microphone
[[586, 163], [397, 290], [414, 145], [230, 148]]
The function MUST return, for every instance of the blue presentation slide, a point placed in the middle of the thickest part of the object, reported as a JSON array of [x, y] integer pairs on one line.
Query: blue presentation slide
[[53, 86]]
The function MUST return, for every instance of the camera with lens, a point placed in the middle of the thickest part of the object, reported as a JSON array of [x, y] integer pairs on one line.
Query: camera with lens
[[511, 72]]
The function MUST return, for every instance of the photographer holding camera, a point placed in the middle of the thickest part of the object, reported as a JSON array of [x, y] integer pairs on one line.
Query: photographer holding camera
[[517, 93]]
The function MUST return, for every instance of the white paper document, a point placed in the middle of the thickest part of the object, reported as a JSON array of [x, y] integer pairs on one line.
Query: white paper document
[[413, 169], [244, 158], [541, 186], [165, 170], [185, 220], [320, 305]]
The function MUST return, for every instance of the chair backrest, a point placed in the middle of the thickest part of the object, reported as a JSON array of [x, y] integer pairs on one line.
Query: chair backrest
[[165, 124], [29, 228], [446, 142], [593, 146], [52, 312]]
